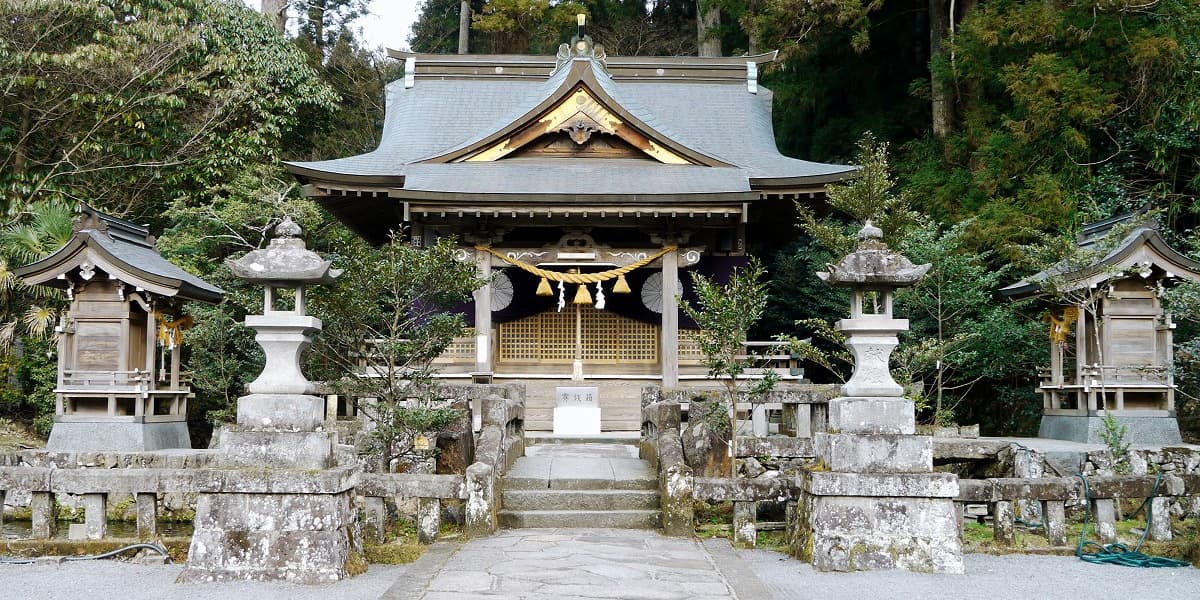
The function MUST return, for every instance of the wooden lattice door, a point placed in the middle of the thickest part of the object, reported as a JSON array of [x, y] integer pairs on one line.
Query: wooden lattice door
[[550, 337]]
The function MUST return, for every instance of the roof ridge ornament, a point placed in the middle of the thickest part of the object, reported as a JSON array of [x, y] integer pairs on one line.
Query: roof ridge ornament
[[581, 46]]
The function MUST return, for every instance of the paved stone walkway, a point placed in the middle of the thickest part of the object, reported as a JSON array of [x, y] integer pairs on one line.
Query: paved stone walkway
[[575, 564], [582, 564]]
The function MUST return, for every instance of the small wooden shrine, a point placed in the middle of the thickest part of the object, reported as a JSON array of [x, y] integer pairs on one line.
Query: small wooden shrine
[[587, 186], [1120, 359], [119, 382]]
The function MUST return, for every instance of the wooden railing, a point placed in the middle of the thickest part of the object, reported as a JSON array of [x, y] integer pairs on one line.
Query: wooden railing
[[124, 395]]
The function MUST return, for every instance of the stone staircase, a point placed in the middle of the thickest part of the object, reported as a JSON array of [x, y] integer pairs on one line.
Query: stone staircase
[[601, 485]]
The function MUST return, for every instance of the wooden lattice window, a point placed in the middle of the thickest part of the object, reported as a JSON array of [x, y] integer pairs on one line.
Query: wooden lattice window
[[549, 337]]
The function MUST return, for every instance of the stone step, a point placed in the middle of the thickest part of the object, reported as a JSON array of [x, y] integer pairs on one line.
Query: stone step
[[629, 438], [587, 500], [604, 519], [581, 482]]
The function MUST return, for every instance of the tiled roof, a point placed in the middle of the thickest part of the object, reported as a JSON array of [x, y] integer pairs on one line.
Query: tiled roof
[[436, 117]]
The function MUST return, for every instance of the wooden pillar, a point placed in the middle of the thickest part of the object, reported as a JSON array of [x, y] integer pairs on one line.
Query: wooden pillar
[[1082, 400], [151, 336], [670, 320], [2, 494], [175, 366], [483, 315]]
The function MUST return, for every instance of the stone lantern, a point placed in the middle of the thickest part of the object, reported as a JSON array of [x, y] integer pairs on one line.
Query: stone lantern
[[876, 504], [873, 273], [280, 508], [282, 402]]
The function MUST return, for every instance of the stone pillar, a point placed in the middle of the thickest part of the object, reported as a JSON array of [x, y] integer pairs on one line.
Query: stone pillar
[[760, 425], [95, 515], [481, 501], [1054, 519], [1160, 519], [429, 519], [1105, 514], [483, 315], [670, 320], [1003, 523], [43, 515], [745, 531], [147, 516], [376, 512]]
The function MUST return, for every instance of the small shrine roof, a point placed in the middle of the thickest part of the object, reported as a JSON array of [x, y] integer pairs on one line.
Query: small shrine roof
[[1142, 249], [123, 250], [691, 107]]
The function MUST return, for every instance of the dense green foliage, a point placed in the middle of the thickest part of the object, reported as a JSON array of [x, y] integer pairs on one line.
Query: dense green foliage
[[725, 314], [390, 309]]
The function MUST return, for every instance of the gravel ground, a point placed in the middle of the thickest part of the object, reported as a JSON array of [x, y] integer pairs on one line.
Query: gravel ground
[[1008, 577], [1012, 577], [129, 581]]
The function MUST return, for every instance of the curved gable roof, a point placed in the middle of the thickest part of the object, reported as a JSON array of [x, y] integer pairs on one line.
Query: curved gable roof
[[442, 119], [1144, 246], [116, 247]]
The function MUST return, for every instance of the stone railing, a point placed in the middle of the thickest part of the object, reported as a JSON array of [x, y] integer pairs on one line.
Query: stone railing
[[662, 446], [501, 441], [429, 490], [95, 486], [802, 407], [745, 495], [1053, 494]]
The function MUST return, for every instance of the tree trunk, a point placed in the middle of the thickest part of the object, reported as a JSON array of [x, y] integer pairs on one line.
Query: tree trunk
[[277, 10], [464, 26], [707, 41], [939, 27], [316, 16]]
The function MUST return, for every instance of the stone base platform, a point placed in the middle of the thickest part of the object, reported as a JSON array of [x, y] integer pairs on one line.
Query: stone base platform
[[1087, 429], [277, 526], [306, 449], [867, 522], [102, 436]]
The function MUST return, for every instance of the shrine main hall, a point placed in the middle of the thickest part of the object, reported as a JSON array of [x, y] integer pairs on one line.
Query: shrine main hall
[[586, 187]]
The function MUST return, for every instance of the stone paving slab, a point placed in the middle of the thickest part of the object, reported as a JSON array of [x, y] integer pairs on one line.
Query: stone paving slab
[[579, 564], [581, 467]]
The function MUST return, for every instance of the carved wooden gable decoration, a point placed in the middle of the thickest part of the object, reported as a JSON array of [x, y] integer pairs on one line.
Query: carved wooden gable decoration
[[578, 119], [591, 128]]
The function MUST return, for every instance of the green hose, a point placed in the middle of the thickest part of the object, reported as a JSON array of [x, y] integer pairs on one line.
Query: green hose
[[1117, 553]]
